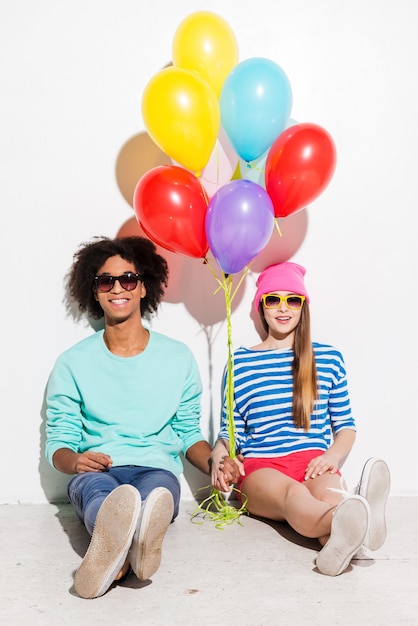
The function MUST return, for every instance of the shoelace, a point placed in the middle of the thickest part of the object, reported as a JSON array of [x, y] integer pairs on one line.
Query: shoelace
[[345, 492]]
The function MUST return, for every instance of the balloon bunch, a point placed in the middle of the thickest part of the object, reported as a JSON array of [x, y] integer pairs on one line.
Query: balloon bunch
[[239, 160]]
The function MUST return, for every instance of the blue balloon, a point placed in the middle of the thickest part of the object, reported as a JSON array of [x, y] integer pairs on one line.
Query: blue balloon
[[239, 224], [255, 105], [256, 170]]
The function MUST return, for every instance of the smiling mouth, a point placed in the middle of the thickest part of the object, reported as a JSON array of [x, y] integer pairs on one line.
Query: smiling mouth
[[119, 300]]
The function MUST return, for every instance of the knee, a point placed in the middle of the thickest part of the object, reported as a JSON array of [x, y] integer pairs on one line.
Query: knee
[[307, 515], [294, 490], [161, 478]]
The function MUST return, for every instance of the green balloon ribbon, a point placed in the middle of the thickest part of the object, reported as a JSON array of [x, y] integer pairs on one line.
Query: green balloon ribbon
[[216, 507]]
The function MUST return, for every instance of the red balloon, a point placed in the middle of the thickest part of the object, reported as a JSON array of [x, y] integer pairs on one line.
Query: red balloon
[[299, 166], [171, 206]]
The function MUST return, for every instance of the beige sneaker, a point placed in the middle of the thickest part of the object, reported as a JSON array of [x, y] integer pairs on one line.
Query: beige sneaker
[[154, 520], [110, 542], [349, 526]]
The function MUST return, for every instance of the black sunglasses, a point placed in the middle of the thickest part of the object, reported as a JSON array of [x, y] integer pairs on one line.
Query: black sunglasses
[[128, 281]]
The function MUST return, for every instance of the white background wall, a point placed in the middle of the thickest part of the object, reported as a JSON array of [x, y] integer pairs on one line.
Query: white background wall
[[72, 78]]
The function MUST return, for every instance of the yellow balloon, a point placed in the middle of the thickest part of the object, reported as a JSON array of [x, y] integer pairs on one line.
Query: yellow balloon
[[205, 43], [181, 114]]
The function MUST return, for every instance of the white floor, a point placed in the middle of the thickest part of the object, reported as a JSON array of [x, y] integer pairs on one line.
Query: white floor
[[251, 574]]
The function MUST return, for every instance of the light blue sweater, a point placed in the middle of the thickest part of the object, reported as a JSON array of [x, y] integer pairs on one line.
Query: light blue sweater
[[142, 410]]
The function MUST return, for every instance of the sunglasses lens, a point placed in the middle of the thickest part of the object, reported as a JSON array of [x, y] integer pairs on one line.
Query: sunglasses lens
[[272, 302], [104, 283], [294, 302], [128, 281]]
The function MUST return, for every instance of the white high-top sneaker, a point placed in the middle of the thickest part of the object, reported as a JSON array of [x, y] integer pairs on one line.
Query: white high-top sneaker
[[349, 527], [374, 485]]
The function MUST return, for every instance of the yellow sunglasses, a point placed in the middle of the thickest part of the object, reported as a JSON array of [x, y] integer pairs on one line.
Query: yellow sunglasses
[[273, 301]]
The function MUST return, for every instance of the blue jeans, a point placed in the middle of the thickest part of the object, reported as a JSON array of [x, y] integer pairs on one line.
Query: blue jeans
[[87, 491]]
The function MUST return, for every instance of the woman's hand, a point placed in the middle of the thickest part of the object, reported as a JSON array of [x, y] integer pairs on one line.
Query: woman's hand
[[318, 466], [232, 468], [333, 459], [224, 470]]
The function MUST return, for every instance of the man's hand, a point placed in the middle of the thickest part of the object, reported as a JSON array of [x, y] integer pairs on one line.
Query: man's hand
[[93, 462], [224, 470], [232, 468], [70, 462]]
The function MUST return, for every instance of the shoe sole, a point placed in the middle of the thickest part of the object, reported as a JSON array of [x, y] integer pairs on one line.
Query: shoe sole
[[348, 530], [110, 542], [145, 553], [375, 487]]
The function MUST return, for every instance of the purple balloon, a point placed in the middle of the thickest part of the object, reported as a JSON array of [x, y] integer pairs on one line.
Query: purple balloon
[[239, 223]]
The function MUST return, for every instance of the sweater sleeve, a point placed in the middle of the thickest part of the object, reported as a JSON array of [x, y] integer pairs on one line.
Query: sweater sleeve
[[339, 405], [186, 422], [63, 426]]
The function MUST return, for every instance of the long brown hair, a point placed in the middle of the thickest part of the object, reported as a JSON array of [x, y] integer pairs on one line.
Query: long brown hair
[[305, 390]]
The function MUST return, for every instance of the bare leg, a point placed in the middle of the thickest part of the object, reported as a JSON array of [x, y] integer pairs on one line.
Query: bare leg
[[326, 488], [307, 507]]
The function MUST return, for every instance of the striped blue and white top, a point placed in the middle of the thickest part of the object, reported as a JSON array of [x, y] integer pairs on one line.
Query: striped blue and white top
[[263, 388]]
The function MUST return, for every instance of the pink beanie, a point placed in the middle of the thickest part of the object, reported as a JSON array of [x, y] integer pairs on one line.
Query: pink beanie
[[281, 277]]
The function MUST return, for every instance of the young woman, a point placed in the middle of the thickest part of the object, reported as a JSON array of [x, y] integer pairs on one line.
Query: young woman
[[294, 430], [122, 406]]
